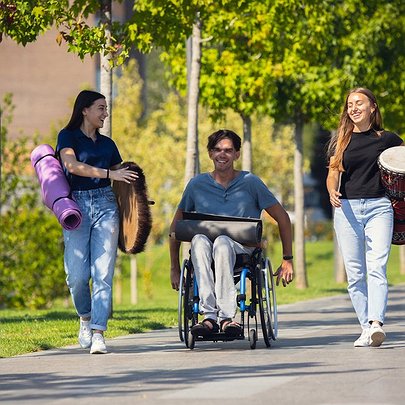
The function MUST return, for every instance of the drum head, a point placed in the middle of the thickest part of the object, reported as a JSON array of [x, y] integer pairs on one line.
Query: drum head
[[135, 216], [393, 159]]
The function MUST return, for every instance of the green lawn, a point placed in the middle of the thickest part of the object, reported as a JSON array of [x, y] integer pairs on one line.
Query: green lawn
[[24, 331]]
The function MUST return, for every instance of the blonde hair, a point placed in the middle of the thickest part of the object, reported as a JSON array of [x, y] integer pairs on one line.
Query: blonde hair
[[341, 138]]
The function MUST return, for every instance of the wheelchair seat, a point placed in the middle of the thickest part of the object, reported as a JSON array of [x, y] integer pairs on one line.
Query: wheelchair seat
[[242, 259]]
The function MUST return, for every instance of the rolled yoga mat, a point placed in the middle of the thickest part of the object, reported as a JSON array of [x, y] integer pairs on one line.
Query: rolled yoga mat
[[245, 232], [55, 188]]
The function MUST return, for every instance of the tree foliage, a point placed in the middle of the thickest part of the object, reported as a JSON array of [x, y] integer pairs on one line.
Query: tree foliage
[[338, 45], [24, 20], [157, 144], [31, 255]]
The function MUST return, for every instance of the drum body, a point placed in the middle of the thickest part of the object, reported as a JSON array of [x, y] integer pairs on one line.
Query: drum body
[[392, 168], [135, 215], [398, 237]]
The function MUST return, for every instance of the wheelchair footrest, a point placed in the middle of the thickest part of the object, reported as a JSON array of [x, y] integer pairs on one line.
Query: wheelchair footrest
[[219, 337]]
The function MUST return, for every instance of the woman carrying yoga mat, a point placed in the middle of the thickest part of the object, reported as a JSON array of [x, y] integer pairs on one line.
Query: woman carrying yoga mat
[[90, 161]]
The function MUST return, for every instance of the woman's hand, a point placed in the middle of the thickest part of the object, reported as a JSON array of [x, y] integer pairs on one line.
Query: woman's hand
[[123, 174], [333, 185], [334, 198]]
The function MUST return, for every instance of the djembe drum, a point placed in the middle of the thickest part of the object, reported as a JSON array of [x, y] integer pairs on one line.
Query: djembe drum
[[392, 168]]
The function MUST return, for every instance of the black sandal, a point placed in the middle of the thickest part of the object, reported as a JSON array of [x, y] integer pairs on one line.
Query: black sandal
[[202, 329], [231, 328]]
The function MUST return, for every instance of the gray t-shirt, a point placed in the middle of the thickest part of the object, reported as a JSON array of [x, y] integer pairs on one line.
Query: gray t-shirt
[[246, 196]]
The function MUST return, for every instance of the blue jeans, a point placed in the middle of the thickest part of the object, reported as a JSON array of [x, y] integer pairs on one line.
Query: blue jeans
[[364, 231], [90, 252]]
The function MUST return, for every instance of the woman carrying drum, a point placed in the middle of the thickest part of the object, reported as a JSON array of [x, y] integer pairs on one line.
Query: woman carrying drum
[[91, 160], [363, 214]]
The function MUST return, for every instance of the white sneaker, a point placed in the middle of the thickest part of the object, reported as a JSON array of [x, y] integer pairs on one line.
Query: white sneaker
[[377, 335], [364, 339], [98, 344], [85, 334]]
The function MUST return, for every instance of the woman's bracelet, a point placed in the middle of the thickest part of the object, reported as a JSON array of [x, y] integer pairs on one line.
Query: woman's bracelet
[[108, 174]]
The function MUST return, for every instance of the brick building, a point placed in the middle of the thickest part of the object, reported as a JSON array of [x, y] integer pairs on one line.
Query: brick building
[[44, 79]]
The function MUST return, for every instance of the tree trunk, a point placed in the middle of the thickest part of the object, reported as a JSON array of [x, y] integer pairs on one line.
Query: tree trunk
[[247, 144], [141, 61], [133, 281], [299, 223], [193, 50], [402, 259], [106, 78], [192, 157], [105, 67]]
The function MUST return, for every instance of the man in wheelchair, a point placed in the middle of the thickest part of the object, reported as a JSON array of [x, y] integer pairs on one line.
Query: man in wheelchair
[[230, 192]]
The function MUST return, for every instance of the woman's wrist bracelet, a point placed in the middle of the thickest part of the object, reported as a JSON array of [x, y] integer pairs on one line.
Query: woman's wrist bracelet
[[108, 174], [288, 257]]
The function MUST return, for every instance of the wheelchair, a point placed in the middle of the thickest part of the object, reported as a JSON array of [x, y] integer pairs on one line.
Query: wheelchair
[[260, 297]]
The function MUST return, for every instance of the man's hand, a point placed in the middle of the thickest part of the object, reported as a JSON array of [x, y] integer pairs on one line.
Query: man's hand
[[175, 276], [285, 273]]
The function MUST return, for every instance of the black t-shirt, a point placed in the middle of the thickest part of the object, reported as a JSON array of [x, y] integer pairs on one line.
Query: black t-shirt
[[361, 178]]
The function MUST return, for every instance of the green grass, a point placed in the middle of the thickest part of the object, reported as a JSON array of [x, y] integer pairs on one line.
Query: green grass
[[25, 331]]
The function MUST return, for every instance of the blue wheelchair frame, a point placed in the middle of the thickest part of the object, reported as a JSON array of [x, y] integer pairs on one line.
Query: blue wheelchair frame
[[258, 270]]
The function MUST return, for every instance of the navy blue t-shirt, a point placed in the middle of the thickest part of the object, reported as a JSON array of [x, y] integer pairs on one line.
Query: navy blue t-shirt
[[102, 153]]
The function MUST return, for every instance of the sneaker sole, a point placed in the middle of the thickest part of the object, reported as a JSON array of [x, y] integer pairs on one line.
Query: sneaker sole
[[98, 352], [85, 346], [361, 344], [377, 338]]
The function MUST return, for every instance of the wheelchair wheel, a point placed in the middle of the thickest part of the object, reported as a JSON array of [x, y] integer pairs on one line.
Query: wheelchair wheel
[[271, 297], [180, 302], [265, 295], [189, 318]]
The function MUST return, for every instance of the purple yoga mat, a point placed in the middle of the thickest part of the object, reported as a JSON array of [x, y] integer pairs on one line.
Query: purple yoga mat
[[55, 188]]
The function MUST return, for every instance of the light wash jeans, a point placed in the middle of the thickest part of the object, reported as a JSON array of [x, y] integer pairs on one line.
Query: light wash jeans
[[217, 296], [364, 231], [90, 252]]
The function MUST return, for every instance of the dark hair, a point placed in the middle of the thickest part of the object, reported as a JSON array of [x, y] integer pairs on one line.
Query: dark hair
[[84, 100], [217, 136]]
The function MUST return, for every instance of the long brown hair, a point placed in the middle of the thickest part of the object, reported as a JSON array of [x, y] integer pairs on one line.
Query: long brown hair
[[341, 138]]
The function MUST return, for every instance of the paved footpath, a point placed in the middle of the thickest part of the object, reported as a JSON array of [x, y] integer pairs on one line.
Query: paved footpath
[[312, 362]]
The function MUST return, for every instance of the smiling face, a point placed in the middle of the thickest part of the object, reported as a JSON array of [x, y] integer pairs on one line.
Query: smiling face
[[95, 115], [359, 109], [223, 155]]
